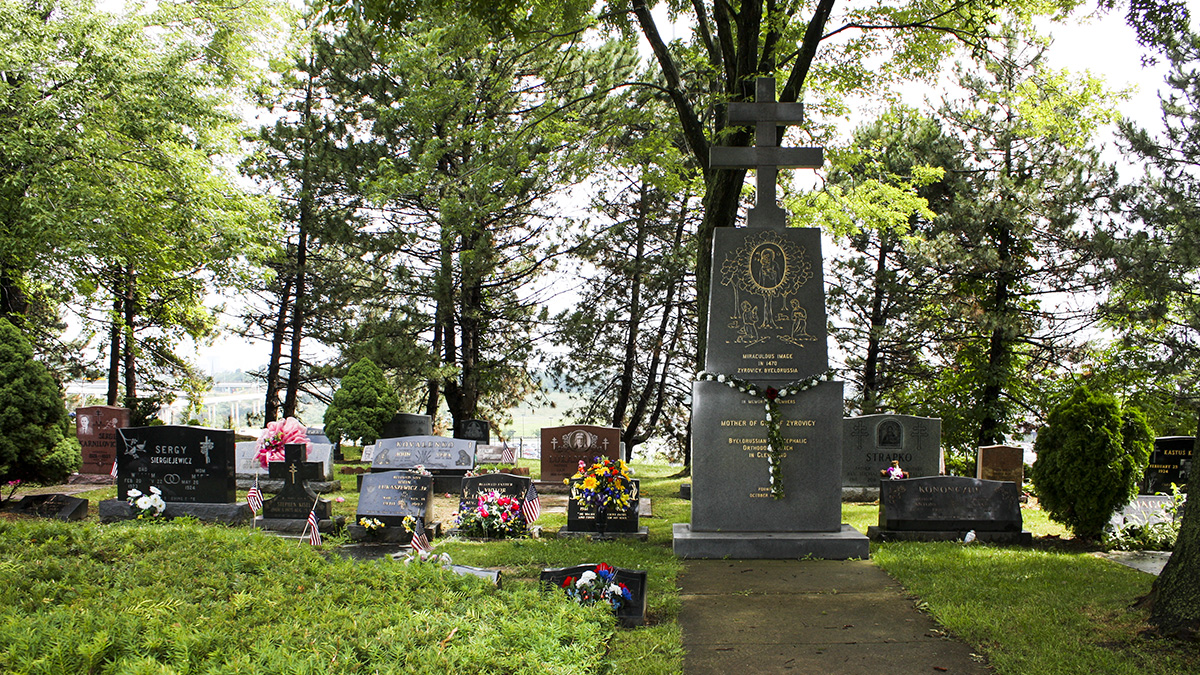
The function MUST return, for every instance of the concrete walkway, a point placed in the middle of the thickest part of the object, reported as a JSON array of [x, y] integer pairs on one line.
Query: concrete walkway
[[815, 616]]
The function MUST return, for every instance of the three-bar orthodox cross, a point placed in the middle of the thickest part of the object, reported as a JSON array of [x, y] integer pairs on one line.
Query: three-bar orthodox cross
[[765, 157]]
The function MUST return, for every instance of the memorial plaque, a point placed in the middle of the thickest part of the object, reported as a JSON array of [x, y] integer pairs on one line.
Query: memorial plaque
[[870, 443], [1001, 462], [1170, 462], [633, 613], [189, 464], [581, 519], [96, 428], [389, 496], [731, 489], [949, 503], [368, 453], [489, 454], [564, 447], [506, 485], [767, 307], [474, 430], [435, 453], [406, 424], [57, 506], [295, 500]]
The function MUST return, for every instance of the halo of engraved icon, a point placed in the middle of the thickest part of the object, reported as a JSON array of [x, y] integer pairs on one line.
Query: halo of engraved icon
[[766, 273]]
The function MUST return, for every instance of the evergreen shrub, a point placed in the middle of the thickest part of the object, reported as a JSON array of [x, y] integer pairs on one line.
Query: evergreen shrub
[[362, 405], [1090, 456]]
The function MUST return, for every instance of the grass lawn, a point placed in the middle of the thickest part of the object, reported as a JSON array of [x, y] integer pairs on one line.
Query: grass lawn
[[189, 598]]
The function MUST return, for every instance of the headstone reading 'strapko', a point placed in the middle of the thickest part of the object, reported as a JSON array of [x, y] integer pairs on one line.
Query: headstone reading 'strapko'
[[752, 498], [870, 443], [563, 448]]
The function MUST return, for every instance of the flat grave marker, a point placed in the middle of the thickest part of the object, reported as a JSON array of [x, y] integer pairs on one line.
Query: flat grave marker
[[631, 615]]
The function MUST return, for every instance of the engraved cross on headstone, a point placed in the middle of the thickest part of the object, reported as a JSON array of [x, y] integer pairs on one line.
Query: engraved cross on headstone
[[860, 432], [765, 156], [295, 465], [296, 499]]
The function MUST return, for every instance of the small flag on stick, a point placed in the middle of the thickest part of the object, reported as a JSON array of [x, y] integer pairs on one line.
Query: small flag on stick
[[531, 505], [419, 541], [255, 497], [114, 469], [314, 535], [508, 456]]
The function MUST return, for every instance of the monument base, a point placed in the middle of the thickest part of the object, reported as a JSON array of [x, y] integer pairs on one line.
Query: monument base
[[298, 525], [1023, 538], [860, 494], [843, 545], [642, 534], [273, 486], [231, 514]]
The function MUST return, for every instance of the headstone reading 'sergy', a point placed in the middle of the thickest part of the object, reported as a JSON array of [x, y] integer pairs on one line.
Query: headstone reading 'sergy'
[[406, 424], [1170, 463], [870, 443], [96, 428], [1001, 462], [295, 500], [563, 448], [947, 507], [431, 452], [766, 333], [189, 464]]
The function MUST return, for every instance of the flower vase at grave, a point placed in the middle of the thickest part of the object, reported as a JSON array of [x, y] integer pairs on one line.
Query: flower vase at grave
[[601, 520]]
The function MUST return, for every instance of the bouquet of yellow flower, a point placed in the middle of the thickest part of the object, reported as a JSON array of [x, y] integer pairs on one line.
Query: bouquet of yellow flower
[[606, 485]]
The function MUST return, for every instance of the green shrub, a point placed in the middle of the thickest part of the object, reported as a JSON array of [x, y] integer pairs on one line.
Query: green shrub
[[35, 444], [362, 405], [1090, 456]]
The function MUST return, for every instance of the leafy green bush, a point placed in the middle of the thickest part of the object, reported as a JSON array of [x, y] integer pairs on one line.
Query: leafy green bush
[[1090, 456], [1149, 533], [35, 443], [363, 404]]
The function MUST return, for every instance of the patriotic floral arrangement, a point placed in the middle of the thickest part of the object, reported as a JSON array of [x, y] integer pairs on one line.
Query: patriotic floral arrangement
[[148, 506], [598, 585], [606, 485], [771, 395], [492, 515], [276, 435]]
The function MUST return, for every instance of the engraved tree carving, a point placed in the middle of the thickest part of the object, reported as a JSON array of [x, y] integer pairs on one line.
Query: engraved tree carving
[[772, 269]]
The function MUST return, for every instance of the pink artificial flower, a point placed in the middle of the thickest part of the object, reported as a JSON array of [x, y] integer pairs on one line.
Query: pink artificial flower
[[276, 435], [340, 500]]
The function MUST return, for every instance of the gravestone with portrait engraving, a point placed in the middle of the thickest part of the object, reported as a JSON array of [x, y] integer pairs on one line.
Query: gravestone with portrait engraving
[[946, 508], [448, 459], [192, 466], [407, 424], [389, 497], [753, 497], [96, 428], [870, 443], [1170, 463], [563, 448]]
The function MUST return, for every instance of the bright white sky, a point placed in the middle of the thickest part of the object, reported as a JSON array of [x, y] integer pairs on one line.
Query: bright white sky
[[1105, 46]]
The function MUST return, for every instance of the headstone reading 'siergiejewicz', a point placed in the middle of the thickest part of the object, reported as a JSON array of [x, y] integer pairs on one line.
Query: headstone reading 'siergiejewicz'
[[389, 497], [766, 332], [431, 452], [407, 424], [189, 464], [563, 448], [870, 443], [1170, 463], [96, 428], [1001, 462], [947, 508]]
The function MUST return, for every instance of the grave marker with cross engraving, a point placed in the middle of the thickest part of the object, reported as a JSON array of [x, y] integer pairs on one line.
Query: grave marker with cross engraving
[[765, 157], [295, 500]]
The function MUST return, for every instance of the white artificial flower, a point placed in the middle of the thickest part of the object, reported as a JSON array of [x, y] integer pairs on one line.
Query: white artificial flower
[[783, 392], [134, 493], [143, 502], [585, 579], [154, 490], [720, 378], [768, 417]]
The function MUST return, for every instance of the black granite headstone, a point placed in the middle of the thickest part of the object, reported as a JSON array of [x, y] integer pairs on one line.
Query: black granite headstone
[[474, 430], [580, 519], [633, 613], [432, 452], [406, 424], [1170, 462], [389, 496], [60, 507], [953, 503], [189, 464], [295, 500], [507, 485]]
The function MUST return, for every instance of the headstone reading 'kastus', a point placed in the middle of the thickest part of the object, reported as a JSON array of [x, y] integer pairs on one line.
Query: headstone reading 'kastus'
[[766, 334], [563, 448], [1170, 463], [96, 428]]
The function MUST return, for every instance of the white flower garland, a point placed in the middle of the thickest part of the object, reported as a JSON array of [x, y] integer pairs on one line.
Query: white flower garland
[[775, 442]]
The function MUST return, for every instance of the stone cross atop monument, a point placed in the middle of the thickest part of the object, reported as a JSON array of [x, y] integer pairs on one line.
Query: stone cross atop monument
[[765, 156]]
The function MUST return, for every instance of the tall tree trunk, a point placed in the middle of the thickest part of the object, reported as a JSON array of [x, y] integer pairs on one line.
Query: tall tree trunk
[[299, 306], [1174, 598], [114, 349], [629, 363], [130, 351], [274, 362], [875, 336]]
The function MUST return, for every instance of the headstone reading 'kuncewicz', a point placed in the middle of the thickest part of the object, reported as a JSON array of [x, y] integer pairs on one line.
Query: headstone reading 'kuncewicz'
[[96, 428], [189, 464], [870, 443], [295, 500], [563, 448], [407, 424], [1170, 463], [1001, 462], [753, 497], [937, 508]]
